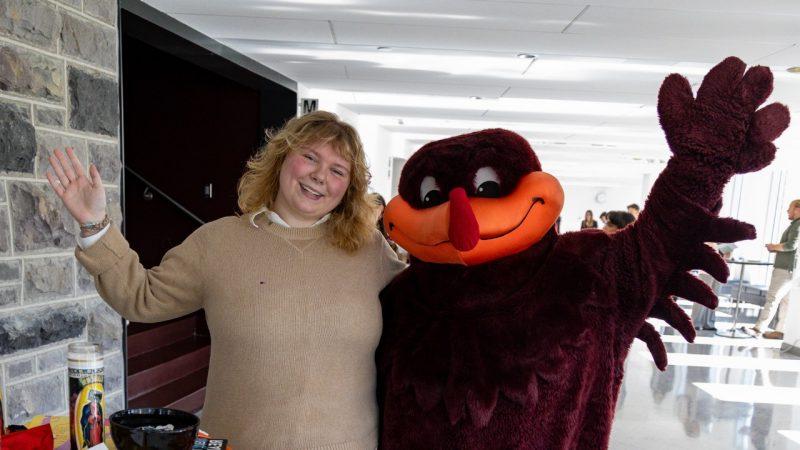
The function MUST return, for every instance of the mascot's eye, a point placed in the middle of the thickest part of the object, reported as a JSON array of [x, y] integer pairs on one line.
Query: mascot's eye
[[430, 193], [487, 183]]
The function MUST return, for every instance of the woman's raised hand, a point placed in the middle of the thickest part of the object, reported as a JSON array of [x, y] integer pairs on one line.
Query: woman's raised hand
[[85, 198]]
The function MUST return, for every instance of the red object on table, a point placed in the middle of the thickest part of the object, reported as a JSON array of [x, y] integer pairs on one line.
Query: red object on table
[[38, 438]]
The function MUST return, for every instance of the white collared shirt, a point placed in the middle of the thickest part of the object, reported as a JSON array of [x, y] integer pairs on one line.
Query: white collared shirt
[[275, 218]]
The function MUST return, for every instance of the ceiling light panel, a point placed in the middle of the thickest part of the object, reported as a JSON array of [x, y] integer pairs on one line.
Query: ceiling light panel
[[441, 13], [227, 27], [404, 87], [718, 25], [548, 106], [484, 65], [547, 43]]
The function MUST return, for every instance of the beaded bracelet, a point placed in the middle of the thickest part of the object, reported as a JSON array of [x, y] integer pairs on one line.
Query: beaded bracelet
[[90, 228]]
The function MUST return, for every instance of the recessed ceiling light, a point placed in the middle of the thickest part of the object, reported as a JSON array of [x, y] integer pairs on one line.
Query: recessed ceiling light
[[475, 97], [384, 49], [526, 56], [795, 69]]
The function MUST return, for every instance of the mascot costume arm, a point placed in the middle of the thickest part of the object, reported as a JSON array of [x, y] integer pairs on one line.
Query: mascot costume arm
[[712, 137]]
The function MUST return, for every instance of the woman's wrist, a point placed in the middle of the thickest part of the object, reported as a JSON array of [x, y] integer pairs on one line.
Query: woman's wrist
[[94, 227]]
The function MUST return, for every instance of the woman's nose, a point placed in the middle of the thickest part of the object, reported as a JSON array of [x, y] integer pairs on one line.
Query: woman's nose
[[318, 176]]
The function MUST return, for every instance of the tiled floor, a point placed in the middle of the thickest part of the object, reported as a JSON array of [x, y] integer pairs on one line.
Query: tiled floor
[[718, 393]]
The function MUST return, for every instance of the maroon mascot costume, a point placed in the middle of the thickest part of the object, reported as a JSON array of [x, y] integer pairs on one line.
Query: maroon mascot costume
[[503, 334]]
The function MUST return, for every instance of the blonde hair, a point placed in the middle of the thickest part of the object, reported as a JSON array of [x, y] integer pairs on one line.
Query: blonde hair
[[794, 203], [351, 223]]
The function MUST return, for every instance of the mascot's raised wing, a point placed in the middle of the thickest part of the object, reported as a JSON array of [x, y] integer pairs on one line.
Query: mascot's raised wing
[[503, 334]]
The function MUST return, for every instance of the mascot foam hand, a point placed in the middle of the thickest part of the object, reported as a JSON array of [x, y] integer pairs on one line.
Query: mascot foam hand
[[503, 333], [721, 131]]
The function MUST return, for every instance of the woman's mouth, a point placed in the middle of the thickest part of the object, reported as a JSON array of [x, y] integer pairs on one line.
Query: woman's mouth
[[310, 193]]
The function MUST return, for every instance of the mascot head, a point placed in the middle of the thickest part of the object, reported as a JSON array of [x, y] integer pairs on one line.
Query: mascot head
[[472, 199]]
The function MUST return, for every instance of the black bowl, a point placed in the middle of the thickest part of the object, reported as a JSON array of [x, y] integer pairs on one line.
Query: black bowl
[[128, 434]]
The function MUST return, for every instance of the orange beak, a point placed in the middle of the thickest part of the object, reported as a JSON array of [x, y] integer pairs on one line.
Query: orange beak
[[476, 230]]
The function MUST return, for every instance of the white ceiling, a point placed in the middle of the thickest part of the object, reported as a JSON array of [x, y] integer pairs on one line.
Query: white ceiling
[[588, 97]]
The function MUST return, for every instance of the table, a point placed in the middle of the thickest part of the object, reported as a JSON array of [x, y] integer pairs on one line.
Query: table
[[733, 332], [60, 427]]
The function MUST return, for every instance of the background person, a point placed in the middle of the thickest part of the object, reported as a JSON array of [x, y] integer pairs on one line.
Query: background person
[[617, 220], [588, 220], [633, 208], [784, 277]]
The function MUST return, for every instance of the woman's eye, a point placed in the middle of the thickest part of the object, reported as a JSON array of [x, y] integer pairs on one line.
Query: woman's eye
[[487, 183], [429, 192], [309, 157]]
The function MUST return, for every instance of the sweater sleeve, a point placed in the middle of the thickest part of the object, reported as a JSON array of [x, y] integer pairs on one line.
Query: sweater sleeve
[[172, 289]]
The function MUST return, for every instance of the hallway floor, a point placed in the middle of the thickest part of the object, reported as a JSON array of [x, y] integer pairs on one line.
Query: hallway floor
[[718, 393]]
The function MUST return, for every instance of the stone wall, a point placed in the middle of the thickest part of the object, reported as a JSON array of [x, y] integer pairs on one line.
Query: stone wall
[[58, 88]]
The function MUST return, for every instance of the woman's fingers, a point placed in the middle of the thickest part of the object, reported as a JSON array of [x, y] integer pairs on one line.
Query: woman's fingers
[[66, 165], [95, 174], [56, 165], [55, 183], [76, 164]]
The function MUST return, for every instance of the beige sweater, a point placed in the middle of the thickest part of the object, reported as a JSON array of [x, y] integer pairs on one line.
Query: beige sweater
[[294, 324]]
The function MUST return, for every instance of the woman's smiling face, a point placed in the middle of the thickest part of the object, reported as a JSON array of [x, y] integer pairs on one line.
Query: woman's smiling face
[[313, 182]]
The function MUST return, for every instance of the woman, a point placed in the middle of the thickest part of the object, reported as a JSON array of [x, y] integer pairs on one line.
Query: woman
[[588, 220], [290, 288]]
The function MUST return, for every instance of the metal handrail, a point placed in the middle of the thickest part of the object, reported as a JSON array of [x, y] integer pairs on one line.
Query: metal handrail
[[161, 193]]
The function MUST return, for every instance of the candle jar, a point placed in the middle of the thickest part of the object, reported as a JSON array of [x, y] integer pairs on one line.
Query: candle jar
[[86, 395]]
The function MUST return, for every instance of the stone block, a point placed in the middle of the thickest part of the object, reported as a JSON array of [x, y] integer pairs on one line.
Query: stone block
[[10, 270], [107, 159], [42, 395], [50, 117], [48, 279], [17, 139], [113, 366], [47, 141], [104, 326], [93, 103], [36, 327], [5, 237], [88, 41], [85, 283], [114, 403], [33, 22], [31, 74], [105, 10], [39, 220], [52, 360], [19, 369], [10, 296], [114, 206]]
